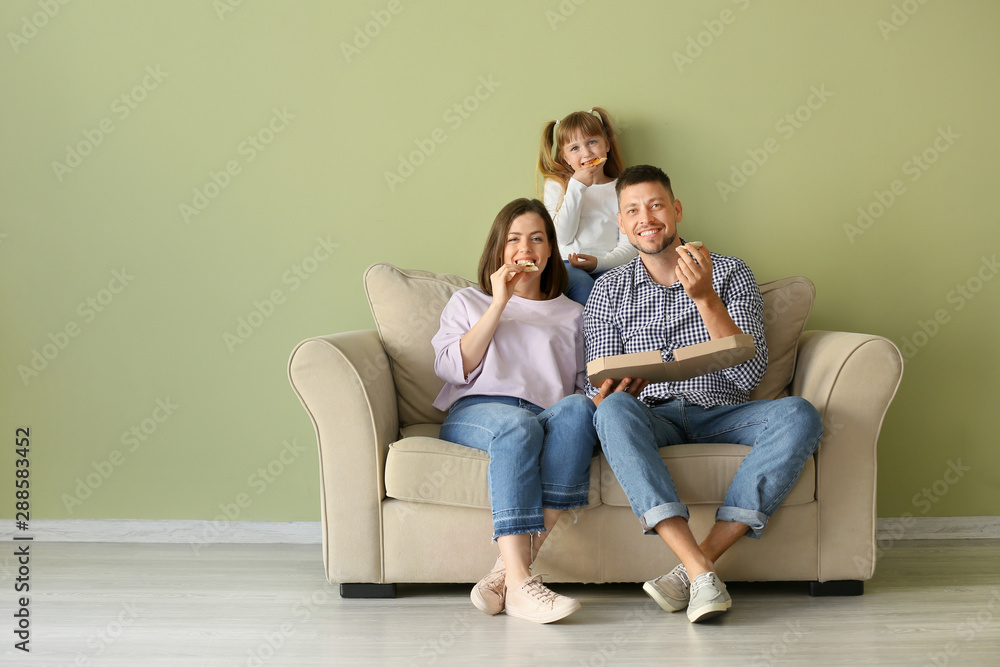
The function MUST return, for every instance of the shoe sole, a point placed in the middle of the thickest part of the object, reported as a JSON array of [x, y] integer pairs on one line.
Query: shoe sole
[[708, 611], [536, 618], [481, 604], [666, 604]]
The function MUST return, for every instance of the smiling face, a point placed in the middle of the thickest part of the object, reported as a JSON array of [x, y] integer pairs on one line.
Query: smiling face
[[648, 215], [580, 149], [528, 241]]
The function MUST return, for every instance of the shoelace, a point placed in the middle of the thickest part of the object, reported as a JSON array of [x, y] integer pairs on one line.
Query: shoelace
[[536, 589], [707, 579], [494, 582], [681, 572]]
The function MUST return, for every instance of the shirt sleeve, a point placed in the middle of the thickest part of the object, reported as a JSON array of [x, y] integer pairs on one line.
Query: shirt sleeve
[[620, 254], [600, 335], [455, 323], [564, 207], [746, 306]]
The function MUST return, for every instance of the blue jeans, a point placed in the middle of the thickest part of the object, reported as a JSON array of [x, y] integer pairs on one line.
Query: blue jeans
[[580, 283], [538, 458], [783, 434]]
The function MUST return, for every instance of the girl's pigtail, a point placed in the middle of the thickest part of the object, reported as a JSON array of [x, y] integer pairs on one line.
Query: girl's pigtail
[[615, 165], [548, 165]]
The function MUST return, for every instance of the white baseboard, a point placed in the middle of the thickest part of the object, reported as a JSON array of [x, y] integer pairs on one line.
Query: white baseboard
[[310, 532], [169, 531], [939, 527]]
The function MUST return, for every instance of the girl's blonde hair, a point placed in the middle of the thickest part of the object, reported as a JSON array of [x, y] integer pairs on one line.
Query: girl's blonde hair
[[595, 122]]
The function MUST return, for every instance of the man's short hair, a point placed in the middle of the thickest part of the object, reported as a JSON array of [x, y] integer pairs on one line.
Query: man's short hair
[[642, 173]]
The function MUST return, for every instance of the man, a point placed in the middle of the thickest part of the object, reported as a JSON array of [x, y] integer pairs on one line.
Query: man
[[670, 296]]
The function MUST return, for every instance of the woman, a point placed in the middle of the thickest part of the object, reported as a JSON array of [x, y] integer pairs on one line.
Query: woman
[[512, 357]]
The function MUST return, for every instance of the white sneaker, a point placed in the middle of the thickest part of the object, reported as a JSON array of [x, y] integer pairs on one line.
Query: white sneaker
[[488, 594], [709, 598], [533, 601], [671, 591]]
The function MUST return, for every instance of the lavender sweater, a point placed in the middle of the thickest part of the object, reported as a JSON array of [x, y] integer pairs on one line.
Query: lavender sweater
[[536, 354]]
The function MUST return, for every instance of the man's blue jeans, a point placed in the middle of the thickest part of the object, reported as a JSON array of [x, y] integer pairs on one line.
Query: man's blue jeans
[[538, 458], [783, 433]]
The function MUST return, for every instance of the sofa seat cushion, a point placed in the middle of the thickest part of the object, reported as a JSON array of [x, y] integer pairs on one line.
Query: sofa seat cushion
[[423, 469], [702, 474]]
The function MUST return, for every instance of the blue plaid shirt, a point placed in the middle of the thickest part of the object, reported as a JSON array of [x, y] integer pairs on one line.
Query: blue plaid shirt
[[629, 312]]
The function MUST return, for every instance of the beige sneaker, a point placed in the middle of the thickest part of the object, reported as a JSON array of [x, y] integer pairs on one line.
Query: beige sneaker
[[672, 590], [488, 594], [533, 601]]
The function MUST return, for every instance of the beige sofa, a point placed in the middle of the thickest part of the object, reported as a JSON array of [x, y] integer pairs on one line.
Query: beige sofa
[[400, 506]]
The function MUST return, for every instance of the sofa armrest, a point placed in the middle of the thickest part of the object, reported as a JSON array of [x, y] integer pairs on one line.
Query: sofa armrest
[[851, 378], [346, 387]]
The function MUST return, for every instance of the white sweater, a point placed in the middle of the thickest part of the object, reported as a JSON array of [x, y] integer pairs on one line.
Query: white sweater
[[586, 220]]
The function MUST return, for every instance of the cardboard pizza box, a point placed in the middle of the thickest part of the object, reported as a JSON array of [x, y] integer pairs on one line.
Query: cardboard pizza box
[[689, 362]]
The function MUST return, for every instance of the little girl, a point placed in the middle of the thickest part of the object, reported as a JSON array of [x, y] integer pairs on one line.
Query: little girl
[[580, 161]]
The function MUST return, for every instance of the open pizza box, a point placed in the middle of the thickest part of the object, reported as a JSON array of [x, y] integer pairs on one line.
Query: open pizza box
[[689, 362]]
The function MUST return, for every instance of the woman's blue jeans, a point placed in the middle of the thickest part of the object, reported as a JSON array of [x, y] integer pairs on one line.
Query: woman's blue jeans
[[538, 458], [783, 434]]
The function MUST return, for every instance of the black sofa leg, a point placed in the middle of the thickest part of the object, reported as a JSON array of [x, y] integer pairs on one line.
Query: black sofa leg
[[368, 590], [845, 587]]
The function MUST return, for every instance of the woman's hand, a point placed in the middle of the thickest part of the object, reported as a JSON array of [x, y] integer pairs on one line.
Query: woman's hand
[[627, 385], [503, 281], [586, 262]]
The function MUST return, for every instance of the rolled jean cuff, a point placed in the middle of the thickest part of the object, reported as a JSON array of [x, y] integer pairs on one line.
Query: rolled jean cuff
[[558, 497], [661, 512], [517, 522], [753, 519]]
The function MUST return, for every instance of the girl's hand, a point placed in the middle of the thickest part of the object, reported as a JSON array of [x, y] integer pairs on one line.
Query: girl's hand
[[587, 173], [629, 386], [503, 281], [586, 262]]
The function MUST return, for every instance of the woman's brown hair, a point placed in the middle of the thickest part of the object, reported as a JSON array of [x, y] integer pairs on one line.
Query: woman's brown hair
[[554, 277]]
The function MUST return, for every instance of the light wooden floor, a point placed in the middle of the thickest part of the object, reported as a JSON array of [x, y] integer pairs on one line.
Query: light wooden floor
[[930, 603]]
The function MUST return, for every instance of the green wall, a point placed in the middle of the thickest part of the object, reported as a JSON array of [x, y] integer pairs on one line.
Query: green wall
[[190, 188]]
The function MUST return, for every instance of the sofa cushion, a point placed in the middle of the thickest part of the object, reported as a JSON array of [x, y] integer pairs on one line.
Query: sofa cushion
[[423, 469], [407, 305], [787, 304], [702, 474]]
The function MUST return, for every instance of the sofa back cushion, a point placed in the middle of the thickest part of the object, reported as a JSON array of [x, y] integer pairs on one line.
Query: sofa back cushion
[[407, 305], [787, 304]]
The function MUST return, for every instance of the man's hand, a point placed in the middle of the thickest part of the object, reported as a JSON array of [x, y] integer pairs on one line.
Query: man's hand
[[586, 262], [627, 385], [694, 270]]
